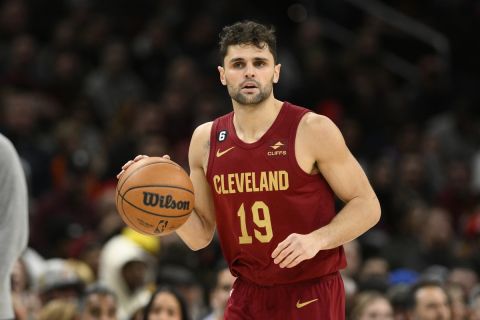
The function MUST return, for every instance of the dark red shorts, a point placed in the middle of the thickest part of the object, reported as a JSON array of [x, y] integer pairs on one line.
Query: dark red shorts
[[322, 298]]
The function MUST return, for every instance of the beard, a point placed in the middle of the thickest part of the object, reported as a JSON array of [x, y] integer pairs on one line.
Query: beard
[[250, 99]]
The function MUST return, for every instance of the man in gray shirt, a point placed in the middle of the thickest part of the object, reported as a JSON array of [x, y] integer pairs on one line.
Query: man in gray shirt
[[13, 220]]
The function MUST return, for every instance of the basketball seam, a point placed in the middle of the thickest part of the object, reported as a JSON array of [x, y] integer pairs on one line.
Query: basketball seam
[[124, 214], [158, 185], [148, 164]]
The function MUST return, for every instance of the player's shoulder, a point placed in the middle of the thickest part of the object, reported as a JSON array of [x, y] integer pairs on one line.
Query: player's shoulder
[[203, 131], [320, 136], [314, 124], [200, 141]]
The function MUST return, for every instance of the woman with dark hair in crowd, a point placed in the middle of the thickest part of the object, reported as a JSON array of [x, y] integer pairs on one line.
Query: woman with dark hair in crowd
[[166, 304]]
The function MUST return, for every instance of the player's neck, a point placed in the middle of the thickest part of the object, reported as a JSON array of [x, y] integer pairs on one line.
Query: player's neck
[[252, 121]]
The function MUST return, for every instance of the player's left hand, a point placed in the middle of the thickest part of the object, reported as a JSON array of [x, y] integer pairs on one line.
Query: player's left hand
[[295, 249]]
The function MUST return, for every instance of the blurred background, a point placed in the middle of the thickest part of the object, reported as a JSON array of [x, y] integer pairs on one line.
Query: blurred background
[[86, 85]]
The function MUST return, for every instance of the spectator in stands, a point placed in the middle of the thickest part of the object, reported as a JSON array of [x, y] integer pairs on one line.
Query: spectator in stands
[[59, 309], [59, 281], [98, 303], [220, 293], [166, 304], [428, 300], [371, 305], [126, 267]]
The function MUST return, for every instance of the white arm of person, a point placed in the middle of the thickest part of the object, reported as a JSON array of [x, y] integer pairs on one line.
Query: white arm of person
[[320, 147], [197, 232]]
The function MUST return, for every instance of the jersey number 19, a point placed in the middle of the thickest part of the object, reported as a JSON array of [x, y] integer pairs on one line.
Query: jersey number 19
[[265, 233]]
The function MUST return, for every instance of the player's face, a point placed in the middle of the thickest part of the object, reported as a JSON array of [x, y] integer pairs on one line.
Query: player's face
[[249, 73]]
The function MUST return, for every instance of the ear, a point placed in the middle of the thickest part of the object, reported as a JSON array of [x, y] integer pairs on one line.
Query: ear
[[276, 73], [221, 71]]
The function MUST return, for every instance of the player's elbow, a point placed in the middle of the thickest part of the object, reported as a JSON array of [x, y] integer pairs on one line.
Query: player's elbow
[[202, 238], [200, 242], [375, 211]]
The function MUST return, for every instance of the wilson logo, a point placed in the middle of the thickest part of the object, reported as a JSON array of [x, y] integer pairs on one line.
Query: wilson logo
[[155, 200]]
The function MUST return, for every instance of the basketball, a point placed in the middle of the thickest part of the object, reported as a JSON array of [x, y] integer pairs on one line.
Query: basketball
[[154, 196]]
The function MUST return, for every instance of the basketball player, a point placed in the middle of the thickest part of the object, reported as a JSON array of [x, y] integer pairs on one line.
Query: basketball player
[[265, 176], [13, 220]]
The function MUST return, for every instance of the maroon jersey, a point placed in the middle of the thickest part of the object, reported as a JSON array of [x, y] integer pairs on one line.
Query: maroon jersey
[[261, 196]]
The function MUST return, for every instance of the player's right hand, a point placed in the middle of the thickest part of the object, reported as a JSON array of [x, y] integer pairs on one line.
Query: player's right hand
[[137, 158]]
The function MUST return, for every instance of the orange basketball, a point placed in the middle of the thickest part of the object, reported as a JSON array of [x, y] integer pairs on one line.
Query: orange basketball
[[154, 196]]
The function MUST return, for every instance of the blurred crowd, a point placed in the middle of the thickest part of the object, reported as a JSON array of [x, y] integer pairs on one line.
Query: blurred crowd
[[86, 85]]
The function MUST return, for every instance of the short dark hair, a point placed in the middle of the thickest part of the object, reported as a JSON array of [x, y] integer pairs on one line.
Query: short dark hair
[[219, 267], [248, 33], [411, 301]]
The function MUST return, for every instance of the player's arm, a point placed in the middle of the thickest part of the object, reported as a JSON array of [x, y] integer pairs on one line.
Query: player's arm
[[321, 144], [197, 232], [349, 182]]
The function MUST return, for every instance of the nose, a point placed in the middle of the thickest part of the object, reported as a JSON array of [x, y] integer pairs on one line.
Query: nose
[[249, 71]]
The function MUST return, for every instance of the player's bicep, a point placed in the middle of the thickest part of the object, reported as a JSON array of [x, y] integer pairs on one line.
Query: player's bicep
[[346, 177], [337, 164], [203, 198], [198, 157]]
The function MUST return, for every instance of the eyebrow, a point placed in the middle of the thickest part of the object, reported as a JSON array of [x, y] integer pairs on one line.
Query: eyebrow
[[233, 60]]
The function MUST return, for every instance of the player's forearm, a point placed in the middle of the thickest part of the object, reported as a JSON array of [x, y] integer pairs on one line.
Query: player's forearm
[[357, 216], [197, 233]]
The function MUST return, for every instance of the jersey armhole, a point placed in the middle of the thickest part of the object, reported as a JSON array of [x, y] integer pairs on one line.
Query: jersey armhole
[[293, 134]]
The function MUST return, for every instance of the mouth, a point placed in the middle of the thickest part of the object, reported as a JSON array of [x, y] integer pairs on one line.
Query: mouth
[[249, 85], [249, 90]]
